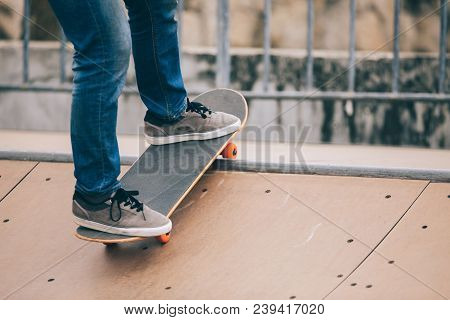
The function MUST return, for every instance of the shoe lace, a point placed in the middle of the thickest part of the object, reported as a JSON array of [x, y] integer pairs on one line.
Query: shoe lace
[[128, 199], [198, 108]]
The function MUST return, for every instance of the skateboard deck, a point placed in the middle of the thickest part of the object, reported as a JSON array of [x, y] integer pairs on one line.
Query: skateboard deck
[[164, 174]]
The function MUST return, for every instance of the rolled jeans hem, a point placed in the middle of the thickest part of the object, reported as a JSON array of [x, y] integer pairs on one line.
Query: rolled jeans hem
[[98, 196]]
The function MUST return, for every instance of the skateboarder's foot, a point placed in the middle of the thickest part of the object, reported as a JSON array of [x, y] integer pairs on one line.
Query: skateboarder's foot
[[197, 123], [120, 214]]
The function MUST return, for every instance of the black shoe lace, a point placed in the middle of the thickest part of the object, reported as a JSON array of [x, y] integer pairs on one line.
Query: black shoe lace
[[198, 108], [125, 197]]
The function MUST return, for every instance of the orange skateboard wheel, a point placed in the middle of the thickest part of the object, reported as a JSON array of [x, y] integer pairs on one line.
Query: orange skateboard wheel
[[164, 238], [230, 151]]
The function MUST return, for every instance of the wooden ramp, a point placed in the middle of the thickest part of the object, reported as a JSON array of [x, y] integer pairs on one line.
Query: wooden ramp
[[11, 174], [236, 236]]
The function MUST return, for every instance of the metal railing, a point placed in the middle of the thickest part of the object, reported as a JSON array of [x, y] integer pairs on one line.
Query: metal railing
[[223, 62]]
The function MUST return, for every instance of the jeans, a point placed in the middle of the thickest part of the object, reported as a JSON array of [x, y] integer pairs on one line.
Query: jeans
[[103, 38]]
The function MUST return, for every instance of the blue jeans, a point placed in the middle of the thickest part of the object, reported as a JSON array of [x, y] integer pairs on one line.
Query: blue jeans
[[103, 40]]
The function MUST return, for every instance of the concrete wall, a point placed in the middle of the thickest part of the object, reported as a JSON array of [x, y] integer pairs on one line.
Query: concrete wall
[[368, 123], [373, 22]]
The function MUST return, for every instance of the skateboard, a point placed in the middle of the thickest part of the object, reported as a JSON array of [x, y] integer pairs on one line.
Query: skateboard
[[165, 174]]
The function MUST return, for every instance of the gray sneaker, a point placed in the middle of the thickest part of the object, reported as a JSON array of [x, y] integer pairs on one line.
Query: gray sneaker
[[120, 214], [197, 123]]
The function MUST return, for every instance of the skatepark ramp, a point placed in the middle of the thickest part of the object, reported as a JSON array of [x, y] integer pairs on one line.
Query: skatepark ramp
[[238, 235], [367, 226]]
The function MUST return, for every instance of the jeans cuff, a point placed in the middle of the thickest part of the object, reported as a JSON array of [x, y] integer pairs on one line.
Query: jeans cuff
[[172, 118], [98, 197]]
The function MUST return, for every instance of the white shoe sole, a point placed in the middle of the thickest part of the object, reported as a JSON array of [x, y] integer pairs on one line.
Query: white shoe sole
[[194, 136], [131, 232]]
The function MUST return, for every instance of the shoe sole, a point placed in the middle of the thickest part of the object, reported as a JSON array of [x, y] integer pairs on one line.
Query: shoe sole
[[194, 136], [131, 232]]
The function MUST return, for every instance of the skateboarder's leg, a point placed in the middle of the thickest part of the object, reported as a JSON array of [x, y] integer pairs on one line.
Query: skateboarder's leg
[[100, 34], [156, 56], [170, 117]]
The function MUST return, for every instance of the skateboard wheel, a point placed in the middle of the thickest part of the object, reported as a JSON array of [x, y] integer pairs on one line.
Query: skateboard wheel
[[230, 151], [164, 238]]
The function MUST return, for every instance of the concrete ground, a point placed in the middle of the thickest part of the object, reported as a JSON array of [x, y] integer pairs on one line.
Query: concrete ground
[[236, 236]]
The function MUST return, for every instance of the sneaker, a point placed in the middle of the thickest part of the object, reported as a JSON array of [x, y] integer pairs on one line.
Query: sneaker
[[120, 214], [197, 123]]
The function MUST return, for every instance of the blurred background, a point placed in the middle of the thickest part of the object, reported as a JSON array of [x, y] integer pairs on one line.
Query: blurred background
[[400, 122]]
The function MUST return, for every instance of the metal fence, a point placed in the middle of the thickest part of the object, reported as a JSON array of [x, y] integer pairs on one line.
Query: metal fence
[[223, 68]]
